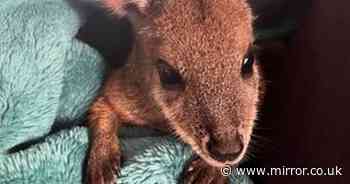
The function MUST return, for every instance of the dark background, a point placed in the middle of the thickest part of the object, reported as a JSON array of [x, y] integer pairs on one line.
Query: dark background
[[305, 118], [304, 121]]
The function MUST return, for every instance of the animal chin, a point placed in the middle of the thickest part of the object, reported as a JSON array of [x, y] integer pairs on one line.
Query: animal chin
[[217, 161], [200, 147]]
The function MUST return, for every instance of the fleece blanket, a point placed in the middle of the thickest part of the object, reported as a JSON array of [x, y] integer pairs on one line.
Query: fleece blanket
[[48, 79]]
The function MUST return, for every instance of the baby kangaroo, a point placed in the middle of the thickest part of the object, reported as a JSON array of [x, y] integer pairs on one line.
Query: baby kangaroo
[[191, 73]]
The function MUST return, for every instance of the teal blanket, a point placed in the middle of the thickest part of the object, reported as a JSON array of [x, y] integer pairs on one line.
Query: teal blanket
[[48, 79]]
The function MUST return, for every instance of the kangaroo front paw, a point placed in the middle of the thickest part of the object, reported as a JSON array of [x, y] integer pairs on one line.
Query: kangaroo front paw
[[198, 172], [103, 166]]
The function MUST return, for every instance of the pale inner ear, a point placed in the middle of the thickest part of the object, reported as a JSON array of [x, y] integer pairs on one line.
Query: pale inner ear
[[121, 7], [142, 5], [113, 5]]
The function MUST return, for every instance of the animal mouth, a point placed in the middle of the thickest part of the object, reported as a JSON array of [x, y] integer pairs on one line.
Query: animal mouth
[[217, 159], [236, 151]]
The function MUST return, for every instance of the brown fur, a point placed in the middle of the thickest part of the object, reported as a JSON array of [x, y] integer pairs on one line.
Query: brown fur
[[213, 110]]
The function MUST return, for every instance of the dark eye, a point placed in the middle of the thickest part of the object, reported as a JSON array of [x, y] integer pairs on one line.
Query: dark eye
[[247, 65], [169, 77]]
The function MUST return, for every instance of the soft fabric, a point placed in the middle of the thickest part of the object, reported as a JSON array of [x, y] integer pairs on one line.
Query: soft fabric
[[48, 79], [149, 160]]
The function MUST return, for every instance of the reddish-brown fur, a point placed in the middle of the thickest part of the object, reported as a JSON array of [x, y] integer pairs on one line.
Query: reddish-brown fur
[[214, 108]]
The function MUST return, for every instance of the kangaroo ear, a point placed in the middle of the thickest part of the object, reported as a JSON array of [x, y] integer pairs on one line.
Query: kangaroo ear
[[121, 7]]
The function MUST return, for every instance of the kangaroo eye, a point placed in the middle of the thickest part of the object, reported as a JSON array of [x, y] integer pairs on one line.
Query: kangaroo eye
[[248, 64], [169, 77]]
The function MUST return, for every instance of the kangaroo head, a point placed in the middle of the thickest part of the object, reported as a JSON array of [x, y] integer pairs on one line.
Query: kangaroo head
[[206, 82]]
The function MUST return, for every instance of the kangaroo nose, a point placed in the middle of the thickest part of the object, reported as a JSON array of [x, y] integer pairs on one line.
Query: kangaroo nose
[[227, 150]]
